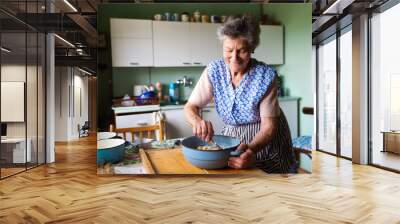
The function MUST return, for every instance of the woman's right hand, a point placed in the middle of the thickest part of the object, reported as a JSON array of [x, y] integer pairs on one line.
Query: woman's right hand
[[204, 130]]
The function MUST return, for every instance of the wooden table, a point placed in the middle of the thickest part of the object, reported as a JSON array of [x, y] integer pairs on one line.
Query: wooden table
[[172, 161], [391, 141]]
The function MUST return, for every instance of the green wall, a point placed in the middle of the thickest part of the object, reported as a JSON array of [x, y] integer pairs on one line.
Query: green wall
[[124, 78], [296, 19]]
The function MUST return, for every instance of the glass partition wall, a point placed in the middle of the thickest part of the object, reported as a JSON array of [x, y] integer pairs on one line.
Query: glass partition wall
[[22, 77], [346, 92], [334, 75], [385, 89], [334, 96], [327, 95]]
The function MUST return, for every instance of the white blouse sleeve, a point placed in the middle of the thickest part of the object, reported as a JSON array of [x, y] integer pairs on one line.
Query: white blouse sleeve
[[202, 92], [269, 106]]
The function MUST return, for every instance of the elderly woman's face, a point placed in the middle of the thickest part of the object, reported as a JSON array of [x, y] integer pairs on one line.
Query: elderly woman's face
[[236, 53]]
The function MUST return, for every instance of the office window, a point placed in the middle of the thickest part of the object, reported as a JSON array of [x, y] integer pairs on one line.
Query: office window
[[346, 93], [385, 89], [22, 93], [15, 149], [327, 96]]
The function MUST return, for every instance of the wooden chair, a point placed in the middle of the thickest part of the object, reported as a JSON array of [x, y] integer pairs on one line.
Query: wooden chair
[[145, 130]]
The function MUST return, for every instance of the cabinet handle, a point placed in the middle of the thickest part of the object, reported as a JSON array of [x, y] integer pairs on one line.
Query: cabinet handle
[[134, 63], [186, 63], [142, 123], [197, 63], [206, 111]]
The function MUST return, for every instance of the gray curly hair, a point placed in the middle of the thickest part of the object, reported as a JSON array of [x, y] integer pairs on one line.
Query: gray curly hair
[[245, 26]]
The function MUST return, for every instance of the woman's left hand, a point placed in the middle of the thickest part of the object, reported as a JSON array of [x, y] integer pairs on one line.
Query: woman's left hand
[[245, 160]]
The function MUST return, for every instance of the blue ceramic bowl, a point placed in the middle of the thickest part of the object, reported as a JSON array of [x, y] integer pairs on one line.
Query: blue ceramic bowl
[[110, 151], [213, 159], [148, 94], [105, 135]]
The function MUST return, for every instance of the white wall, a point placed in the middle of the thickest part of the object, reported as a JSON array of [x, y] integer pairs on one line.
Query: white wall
[[80, 110], [71, 102], [61, 103]]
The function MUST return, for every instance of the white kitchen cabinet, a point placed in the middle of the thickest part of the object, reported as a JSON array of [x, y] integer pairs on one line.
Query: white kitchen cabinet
[[134, 120], [210, 114], [205, 45], [175, 124], [290, 107], [177, 127], [127, 52], [270, 49], [131, 43], [131, 28], [147, 43], [185, 44], [171, 44]]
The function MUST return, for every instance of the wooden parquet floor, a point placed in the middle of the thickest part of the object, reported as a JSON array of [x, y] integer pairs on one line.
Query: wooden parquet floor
[[70, 191]]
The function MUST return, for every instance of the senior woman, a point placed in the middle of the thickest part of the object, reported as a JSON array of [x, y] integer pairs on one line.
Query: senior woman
[[244, 91]]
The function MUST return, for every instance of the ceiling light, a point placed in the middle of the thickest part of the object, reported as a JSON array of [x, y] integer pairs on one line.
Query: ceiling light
[[331, 7], [64, 40], [338, 6], [5, 50], [84, 71], [70, 5]]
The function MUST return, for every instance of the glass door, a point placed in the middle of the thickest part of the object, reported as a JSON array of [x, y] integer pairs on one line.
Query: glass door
[[345, 41], [22, 76], [13, 103], [326, 60], [385, 89]]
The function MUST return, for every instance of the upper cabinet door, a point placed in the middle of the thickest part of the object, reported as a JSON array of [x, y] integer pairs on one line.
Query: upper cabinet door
[[205, 45], [171, 44], [130, 28], [270, 49], [131, 42], [129, 52]]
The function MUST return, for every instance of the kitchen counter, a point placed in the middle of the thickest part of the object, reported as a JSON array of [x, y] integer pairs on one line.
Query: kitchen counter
[[172, 107], [135, 109], [168, 106], [150, 108], [180, 106]]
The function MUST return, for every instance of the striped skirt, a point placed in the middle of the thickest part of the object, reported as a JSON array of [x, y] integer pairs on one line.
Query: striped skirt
[[278, 155]]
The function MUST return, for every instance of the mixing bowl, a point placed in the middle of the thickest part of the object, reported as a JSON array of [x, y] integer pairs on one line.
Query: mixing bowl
[[210, 159], [110, 151]]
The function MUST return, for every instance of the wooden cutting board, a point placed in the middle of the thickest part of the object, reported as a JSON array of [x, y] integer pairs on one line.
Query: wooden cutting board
[[172, 161]]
